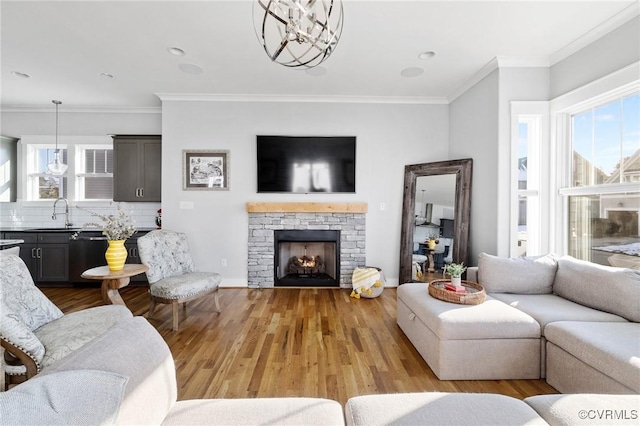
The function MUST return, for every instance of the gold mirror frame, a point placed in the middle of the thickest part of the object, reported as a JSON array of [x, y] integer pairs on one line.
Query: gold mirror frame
[[462, 210]]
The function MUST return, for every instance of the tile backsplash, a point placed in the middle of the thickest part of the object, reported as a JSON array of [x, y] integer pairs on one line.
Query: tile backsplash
[[28, 215]]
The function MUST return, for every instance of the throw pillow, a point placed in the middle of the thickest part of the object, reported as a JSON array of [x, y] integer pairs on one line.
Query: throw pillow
[[609, 289], [522, 275]]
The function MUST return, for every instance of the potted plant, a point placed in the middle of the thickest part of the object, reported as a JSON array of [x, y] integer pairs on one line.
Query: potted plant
[[455, 270], [117, 228]]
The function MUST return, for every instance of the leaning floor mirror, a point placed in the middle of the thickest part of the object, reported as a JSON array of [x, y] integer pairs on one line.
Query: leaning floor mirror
[[436, 203]]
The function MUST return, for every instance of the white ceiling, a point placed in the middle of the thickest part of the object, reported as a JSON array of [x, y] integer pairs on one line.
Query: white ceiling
[[65, 45]]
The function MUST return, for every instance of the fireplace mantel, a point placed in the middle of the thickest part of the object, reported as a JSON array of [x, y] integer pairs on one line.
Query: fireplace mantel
[[307, 207]]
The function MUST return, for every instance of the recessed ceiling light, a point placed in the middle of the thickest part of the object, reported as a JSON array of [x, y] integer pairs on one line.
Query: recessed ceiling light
[[316, 71], [176, 51], [191, 69], [411, 72], [106, 75], [20, 74], [427, 55]]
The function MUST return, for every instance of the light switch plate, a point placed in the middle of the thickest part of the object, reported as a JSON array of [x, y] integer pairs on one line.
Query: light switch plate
[[186, 205]]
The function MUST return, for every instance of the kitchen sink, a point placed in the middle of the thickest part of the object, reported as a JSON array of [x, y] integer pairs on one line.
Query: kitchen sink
[[52, 230]]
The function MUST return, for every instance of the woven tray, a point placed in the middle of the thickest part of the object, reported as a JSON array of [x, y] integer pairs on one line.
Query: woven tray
[[474, 296]]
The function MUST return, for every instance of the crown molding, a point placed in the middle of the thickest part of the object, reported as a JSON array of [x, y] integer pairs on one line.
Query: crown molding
[[83, 109], [596, 33], [496, 63], [203, 97]]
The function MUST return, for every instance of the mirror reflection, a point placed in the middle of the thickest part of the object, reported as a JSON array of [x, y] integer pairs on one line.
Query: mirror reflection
[[436, 202], [433, 235]]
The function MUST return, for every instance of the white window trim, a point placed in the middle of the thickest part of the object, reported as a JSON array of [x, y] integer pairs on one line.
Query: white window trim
[[25, 154], [538, 173], [617, 84]]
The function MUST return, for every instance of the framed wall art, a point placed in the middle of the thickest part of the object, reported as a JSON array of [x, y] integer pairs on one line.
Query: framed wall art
[[205, 170]]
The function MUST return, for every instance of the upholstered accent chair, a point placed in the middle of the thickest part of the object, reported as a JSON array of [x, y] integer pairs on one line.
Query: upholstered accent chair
[[33, 331], [172, 276]]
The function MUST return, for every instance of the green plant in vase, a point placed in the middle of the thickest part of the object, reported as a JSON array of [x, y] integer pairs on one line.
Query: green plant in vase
[[455, 270]]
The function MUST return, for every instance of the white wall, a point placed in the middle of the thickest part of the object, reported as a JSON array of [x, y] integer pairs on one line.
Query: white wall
[[389, 136], [16, 124], [611, 52], [473, 133]]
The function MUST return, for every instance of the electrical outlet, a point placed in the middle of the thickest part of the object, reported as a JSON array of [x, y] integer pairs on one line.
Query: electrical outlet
[[223, 262], [382, 206]]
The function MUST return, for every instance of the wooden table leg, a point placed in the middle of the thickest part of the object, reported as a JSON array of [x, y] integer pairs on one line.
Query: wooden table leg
[[431, 263], [110, 293]]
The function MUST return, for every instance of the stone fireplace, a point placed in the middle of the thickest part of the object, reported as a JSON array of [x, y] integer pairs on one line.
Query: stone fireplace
[[271, 239]]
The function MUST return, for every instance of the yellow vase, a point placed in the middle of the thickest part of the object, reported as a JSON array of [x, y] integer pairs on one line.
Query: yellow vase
[[432, 244], [116, 255]]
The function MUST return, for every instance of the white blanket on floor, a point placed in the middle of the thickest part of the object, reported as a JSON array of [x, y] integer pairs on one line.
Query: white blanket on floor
[[364, 278]]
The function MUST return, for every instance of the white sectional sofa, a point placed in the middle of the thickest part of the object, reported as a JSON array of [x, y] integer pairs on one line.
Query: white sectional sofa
[[586, 317], [127, 376]]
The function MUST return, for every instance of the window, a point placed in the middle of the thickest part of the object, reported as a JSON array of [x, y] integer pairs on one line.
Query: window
[[88, 178], [42, 185], [95, 178], [603, 195], [529, 135]]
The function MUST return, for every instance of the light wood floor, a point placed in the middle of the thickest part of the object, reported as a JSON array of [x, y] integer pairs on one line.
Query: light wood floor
[[292, 342]]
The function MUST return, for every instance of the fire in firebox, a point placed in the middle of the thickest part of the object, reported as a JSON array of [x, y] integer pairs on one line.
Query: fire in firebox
[[305, 265]]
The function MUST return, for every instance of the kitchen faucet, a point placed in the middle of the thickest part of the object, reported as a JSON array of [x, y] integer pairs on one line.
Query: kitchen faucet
[[67, 224]]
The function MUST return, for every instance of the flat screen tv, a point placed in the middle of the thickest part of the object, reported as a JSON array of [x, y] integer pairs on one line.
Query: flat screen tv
[[306, 164]]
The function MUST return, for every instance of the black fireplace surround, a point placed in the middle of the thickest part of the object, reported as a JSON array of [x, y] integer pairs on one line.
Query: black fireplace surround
[[294, 243]]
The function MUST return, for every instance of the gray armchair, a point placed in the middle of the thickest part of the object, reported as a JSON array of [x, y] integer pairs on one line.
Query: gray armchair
[[172, 276], [33, 331]]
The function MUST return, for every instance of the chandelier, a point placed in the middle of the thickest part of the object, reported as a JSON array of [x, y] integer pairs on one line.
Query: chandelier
[[298, 33]]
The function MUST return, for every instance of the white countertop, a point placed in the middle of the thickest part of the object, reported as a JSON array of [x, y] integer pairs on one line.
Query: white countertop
[[4, 243]]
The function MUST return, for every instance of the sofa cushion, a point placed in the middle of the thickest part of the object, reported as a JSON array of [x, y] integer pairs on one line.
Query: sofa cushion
[[181, 286], [439, 408], [522, 275], [72, 331], [547, 308], [609, 289], [256, 411], [59, 399], [586, 409], [612, 348], [132, 348], [491, 319]]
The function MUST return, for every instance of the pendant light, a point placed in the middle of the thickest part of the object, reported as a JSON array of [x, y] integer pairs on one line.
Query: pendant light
[[57, 167]]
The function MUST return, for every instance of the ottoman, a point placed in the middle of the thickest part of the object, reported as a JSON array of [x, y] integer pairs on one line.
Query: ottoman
[[439, 408], [489, 341]]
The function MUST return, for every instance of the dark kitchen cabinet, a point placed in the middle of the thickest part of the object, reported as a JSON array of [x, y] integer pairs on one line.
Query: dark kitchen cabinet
[[446, 228], [45, 254], [86, 252], [137, 168], [133, 256]]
